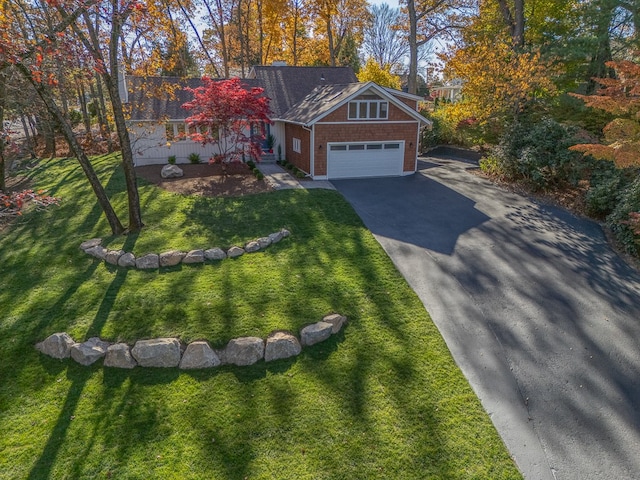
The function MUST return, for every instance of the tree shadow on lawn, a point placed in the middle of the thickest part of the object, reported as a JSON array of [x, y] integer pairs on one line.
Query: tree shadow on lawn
[[79, 375]]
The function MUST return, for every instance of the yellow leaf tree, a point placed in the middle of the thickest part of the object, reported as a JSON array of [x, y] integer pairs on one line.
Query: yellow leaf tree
[[372, 72]]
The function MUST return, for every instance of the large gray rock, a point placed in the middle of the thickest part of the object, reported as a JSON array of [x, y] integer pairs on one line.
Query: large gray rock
[[235, 252], [113, 256], [119, 356], [264, 242], [98, 252], [243, 351], [127, 260], [275, 237], [315, 333], [88, 352], [194, 256], [336, 320], [171, 258], [57, 345], [148, 261], [171, 171], [199, 354], [215, 254], [285, 233], [251, 247], [281, 345], [157, 352], [94, 242]]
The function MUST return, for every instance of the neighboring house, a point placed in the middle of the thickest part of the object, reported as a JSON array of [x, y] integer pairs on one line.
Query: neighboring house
[[324, 121], [450, 92]]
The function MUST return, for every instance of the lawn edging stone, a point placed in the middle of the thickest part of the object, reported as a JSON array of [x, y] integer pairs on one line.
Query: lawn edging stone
[[172, 258], [171, 352]]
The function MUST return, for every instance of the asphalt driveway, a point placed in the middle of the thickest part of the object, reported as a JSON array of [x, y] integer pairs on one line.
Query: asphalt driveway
[[540, 314]]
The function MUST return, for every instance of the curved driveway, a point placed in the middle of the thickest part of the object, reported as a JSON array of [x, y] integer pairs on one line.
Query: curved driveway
[[540, 314]]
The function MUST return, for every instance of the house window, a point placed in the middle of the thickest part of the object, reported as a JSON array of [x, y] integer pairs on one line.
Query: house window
[[368, 110], [175, 131], [296, 145]]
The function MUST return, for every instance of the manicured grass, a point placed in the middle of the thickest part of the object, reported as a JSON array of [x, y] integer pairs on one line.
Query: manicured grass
[[382, 399]]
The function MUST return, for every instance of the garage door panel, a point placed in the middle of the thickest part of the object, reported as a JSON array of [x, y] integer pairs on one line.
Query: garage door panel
[[355, 160]]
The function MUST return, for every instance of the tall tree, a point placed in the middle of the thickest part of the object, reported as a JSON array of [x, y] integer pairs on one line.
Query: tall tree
[[431, 19], [384, 38], [32, 43]]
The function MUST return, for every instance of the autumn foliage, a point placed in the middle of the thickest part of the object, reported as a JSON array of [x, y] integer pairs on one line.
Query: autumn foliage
[[12, 204], [621, 97], [223, 112]]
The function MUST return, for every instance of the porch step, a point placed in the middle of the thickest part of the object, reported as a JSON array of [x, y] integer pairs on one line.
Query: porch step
[[268, 158]]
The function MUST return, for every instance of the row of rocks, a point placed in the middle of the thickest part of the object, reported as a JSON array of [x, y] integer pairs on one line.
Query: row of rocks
[[171, 258], [170, 352]]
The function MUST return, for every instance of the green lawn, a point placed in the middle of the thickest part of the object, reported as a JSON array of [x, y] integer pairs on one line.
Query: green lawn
[[382, 399]]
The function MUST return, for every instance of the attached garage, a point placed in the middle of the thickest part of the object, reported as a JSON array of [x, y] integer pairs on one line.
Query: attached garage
[[365, 159]]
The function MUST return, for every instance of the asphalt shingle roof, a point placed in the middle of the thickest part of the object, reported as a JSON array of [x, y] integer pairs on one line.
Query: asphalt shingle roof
[[320, 100]]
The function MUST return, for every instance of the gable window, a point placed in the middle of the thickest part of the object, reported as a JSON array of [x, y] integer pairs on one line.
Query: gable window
[[296, 145], [368, 109]]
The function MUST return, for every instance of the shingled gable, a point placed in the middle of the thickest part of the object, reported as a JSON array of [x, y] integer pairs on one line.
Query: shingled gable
[[286, 86], [157, 98], [325, 99]]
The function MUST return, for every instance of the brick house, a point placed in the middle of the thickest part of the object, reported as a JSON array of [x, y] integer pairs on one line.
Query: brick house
[[324, 121]]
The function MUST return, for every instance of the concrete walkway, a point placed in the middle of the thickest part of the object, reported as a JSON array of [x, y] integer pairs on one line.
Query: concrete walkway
[[281, 179], [540, 314]]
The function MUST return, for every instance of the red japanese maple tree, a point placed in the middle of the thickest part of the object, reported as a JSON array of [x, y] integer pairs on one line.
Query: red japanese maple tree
[[224, 112]]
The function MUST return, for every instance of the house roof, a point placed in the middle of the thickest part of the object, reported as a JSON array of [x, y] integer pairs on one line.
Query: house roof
[[286, 86], [153, 98], [325, 99]]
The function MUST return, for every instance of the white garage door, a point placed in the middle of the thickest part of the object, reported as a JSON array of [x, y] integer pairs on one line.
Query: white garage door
[[371, 159]]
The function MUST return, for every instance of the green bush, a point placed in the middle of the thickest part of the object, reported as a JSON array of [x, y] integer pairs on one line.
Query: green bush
[[300, 174], [538, 154], [251, 164], [629, 201], [194, 157], [605, 186], [172, 159], [260, 175], [290, 166]]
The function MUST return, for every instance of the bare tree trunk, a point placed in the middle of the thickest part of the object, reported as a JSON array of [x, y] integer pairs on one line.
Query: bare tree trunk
[[86, 119], [94, 181], [412, 80]]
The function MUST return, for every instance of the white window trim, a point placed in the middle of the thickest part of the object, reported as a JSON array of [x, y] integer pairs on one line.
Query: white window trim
[[368, 103], [297, 147]]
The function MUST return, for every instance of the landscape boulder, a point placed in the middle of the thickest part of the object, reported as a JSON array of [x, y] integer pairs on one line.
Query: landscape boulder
[[194, 256], [98, 252], [113, 256], [281, 345], [315, 333], [243, 351], [199, 354], [57, 345], [215, 254], [235, 252], [88, 352], [127, 260], [275, 237], [285, 233], [94, 242], [119, 356], [148, 261], [336, 320], [157, 352], [170, 258], [171, 171], [264, 242], [251, 247]]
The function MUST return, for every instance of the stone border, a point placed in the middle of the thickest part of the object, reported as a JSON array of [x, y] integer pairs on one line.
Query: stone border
[[171, 258], [170, 352]]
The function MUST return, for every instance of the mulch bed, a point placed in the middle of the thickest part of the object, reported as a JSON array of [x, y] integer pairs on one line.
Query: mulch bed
[[231, 180]]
